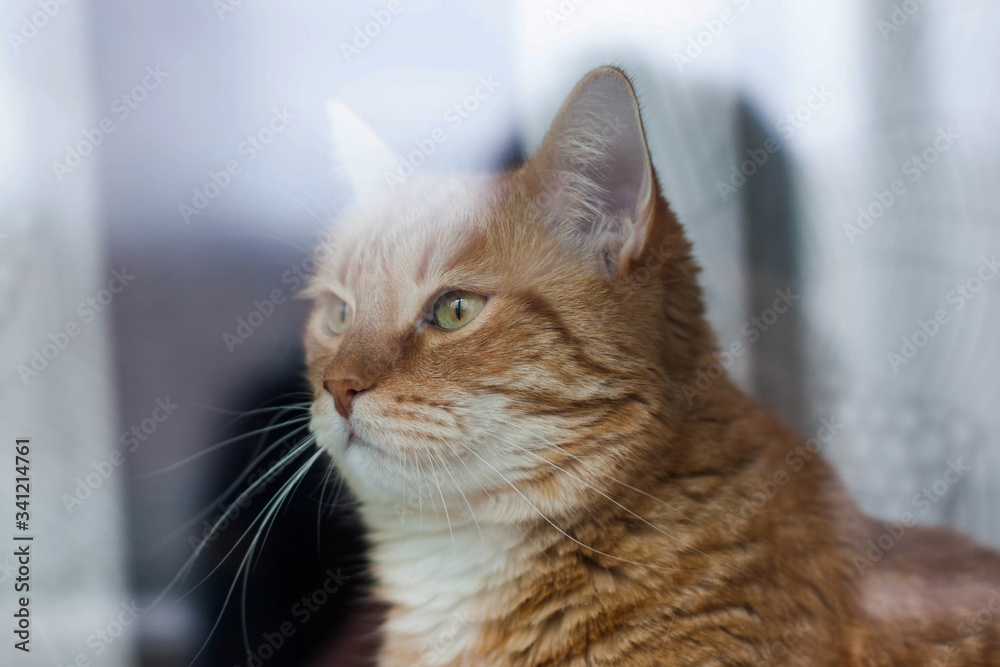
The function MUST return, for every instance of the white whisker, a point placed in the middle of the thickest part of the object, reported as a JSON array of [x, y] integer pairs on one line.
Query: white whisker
[[467, 503], [232, 487], [640, 518], [217, 446], [273, 505], [215, 527], [444, 504], [563, 532], [600, 472], [319, 507]]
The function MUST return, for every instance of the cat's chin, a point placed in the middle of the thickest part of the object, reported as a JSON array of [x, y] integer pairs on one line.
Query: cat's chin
[[344, 444], [355, 443]]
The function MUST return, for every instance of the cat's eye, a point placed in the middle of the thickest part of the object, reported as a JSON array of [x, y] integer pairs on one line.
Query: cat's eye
[[339, 315], [457, 308]]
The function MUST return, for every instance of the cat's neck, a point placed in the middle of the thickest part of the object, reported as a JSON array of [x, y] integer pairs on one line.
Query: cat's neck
[[437, 577], [444, 575]]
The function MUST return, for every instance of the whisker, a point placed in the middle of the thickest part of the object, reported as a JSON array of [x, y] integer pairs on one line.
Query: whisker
[[486, 491], [420, 496], [563, 532], [273, 508], [296, 200], [666, 635], [454, 547], [213, 532], [467, 503], [640, 518], [232, 487], [319, 507], [263, 438], [289, 495], [246, 413], [336, 495], [269, 524], [471, 474], [278, 411], [269, 237], [239, 414], [600, 472], [406, 497], [204, 543], [217, 446]]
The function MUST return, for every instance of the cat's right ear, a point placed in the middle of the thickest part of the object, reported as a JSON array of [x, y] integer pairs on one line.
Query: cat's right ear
[[359, 153], [594, 171]]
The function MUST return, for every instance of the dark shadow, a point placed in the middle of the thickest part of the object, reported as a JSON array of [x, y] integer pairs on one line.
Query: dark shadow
[[306, 576], [771, 245]]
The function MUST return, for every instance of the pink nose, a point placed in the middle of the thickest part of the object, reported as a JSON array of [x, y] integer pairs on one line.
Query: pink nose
[[344, 390]]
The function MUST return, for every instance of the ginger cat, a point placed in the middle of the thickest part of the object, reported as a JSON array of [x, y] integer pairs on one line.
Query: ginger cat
[[504, 372]]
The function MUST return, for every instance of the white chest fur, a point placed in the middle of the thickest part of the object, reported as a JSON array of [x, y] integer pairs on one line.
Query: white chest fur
[[440, 582]]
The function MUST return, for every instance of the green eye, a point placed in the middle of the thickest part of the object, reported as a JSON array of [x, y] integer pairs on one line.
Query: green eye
[[339, 315], [457, 308]]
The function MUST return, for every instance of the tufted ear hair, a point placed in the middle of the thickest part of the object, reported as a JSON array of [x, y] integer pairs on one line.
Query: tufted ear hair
[[595, 173]]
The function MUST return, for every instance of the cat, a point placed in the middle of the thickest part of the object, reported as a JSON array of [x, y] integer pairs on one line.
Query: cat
[[505, 368]]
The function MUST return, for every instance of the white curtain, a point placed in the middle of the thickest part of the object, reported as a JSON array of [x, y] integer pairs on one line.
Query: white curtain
[[61, 398]]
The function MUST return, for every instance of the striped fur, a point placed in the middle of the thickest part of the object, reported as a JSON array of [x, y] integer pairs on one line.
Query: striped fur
[[549, 485]]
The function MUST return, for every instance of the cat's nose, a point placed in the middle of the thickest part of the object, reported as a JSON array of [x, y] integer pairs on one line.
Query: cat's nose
[[344, 391]]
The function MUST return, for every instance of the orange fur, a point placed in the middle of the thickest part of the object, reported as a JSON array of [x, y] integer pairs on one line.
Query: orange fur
[[563, 425]]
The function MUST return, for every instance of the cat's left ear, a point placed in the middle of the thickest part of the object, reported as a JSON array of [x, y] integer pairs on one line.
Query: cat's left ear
[[595, 172], [363, 158]]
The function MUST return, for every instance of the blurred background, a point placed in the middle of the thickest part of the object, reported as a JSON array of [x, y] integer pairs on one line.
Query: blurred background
[[167, 167]]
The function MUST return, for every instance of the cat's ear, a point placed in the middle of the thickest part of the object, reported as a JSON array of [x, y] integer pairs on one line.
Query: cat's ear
[[594, 170], [359, 153]]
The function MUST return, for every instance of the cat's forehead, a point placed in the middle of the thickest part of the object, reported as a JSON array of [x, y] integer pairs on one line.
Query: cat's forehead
[[411, 235]]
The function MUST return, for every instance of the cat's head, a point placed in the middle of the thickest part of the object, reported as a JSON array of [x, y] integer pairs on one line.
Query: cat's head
[[469, 335]]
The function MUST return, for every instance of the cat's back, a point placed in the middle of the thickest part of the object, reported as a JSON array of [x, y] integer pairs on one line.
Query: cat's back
[[934, 593]]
